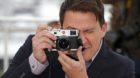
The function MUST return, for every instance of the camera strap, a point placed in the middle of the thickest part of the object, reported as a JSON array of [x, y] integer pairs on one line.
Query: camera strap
[[49, 60]]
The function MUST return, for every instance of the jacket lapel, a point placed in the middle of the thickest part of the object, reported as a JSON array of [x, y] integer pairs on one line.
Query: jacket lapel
[[56, 67], [99, 63]]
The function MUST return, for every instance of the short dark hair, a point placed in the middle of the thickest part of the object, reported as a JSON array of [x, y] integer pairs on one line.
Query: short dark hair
[[94, 6], [53, 23]]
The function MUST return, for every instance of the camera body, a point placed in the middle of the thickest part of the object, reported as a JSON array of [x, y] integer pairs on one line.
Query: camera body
[[66, 39]]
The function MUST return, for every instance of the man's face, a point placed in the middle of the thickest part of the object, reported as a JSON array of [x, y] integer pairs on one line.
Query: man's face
[[90, 31]]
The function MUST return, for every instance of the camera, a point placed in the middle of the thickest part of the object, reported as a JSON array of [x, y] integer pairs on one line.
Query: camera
[[66, 39]]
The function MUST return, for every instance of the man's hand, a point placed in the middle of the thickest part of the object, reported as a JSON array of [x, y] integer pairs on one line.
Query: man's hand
[[72, 68], [42, 40]]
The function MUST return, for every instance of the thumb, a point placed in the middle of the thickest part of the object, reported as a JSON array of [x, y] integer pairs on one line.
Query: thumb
[[79, 54]]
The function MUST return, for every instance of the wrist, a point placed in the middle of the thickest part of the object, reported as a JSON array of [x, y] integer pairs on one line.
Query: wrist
[[36, 67], [42, 59]]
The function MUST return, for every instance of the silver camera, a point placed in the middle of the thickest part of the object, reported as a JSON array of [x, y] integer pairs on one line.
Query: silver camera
[[66, 39]]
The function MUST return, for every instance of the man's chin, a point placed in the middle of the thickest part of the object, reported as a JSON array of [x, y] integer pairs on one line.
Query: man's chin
[[86, 54]]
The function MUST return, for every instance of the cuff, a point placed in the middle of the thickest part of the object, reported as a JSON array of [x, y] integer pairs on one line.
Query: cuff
[[36, 67]]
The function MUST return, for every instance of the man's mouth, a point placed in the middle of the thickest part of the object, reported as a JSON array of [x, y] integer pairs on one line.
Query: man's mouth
[[84, 49]]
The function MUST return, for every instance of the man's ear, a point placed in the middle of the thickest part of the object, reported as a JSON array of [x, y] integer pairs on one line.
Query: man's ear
[[104, 29]]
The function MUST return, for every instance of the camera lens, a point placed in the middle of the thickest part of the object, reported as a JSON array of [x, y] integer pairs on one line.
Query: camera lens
[[63, 43]]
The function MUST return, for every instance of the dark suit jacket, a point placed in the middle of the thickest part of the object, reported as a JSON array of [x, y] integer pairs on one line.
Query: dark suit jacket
[[107, 64]]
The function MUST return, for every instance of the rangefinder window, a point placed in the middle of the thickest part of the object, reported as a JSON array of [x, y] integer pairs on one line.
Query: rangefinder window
[[55, 32], [72, 32]]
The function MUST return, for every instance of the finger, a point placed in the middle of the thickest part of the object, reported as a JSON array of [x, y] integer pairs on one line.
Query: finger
[[39, 41], [43, 27], [44, 46], [66, 59], [79, 54], [45, 33], [47, 41], [63, 63]]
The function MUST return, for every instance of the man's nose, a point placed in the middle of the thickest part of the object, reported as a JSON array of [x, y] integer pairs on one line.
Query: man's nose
[[83, 38]]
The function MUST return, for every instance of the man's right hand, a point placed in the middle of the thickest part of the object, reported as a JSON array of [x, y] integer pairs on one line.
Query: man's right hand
[[42, 40]]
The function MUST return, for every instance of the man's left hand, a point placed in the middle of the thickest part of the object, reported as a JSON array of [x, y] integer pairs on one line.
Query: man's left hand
[[73, 68]]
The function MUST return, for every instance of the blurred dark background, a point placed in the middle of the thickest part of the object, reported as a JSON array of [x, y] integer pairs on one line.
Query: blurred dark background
[[124, 36]]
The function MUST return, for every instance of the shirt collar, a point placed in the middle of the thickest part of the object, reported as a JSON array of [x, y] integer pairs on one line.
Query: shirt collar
[[97, 50]]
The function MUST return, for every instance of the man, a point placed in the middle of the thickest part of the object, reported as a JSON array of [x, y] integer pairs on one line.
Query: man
[[95, 59], [54, 24]]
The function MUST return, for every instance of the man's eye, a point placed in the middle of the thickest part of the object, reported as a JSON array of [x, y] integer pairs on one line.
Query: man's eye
[[90, 31]]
